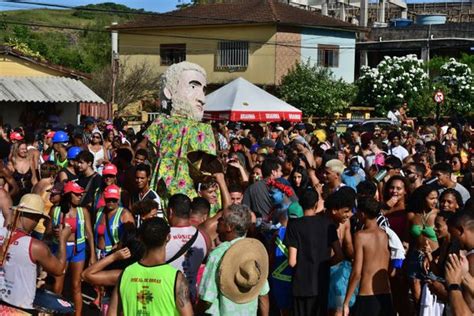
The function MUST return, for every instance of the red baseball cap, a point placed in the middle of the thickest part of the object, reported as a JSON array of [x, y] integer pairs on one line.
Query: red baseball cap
[[50, 134], [73, 187], [112, 192], [16, 136], [109, 169]]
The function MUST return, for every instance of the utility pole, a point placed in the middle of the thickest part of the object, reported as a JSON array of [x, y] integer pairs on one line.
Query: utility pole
[[363, 19], [114, 61]]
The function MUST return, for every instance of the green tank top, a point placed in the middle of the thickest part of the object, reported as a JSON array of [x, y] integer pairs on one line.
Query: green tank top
[[148, 290]]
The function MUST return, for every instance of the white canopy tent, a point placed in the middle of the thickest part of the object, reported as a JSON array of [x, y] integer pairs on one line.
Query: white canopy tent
[[241, 100]]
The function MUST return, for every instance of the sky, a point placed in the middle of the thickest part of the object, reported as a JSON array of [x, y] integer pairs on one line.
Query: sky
[[148, 5]]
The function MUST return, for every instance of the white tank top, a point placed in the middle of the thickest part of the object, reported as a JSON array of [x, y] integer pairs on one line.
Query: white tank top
[[18, 274], [98, 156], [190, 261]]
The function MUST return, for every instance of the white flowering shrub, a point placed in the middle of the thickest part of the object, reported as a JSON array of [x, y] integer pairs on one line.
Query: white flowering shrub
[[394, 80], [460, 81]]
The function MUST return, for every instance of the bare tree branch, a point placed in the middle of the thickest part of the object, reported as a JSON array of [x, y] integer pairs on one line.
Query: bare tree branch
[[134, 82]]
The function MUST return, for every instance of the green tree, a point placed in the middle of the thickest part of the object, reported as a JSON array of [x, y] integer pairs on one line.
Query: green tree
[[467, 59], [434, 65], [315, 91]]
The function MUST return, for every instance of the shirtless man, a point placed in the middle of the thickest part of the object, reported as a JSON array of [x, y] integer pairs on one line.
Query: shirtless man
[[8, 189], [370, 267], [339, 209]]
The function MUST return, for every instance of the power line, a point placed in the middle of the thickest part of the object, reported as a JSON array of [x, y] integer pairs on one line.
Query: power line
[[166, 14], [290, 46], [109, 11], [12, 5], [282, 44]]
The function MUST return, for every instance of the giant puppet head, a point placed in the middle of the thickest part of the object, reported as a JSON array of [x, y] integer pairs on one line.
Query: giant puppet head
[[182, 90]]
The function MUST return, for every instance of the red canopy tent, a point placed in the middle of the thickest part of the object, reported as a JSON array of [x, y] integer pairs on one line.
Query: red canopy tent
[[241, 100]]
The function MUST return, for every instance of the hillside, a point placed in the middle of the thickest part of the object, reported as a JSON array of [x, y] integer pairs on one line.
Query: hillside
[[84, 49]]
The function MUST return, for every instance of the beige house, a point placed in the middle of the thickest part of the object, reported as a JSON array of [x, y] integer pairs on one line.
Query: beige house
[[258, 40]]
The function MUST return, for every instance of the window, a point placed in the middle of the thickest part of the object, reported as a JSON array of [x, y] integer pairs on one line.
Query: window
[[232, 54], [328, 56], [172, 54]]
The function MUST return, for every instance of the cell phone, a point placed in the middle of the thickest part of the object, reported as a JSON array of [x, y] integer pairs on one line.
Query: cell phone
[[380, 175]]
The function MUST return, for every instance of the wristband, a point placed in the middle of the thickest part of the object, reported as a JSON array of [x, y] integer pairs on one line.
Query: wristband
[[454, 287]]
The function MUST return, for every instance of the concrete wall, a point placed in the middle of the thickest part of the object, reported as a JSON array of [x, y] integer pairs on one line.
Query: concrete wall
[[311, 38], [450, 30], [202, 48], [286, 57], [14, 66]]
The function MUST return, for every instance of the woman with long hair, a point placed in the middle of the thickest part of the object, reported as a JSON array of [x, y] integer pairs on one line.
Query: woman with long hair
[[456, 165], [395, 196], [109, 134], [69, 212], [422, 212], [22, 170], [299, 180], [395, 193], [97, 148]]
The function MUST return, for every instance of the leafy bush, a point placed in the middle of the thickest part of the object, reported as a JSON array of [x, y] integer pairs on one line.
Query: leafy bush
[[458, 78], [315, 91], [394, 80]]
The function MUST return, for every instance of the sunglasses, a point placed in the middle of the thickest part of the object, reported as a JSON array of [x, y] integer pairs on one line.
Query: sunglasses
[[98, 137]]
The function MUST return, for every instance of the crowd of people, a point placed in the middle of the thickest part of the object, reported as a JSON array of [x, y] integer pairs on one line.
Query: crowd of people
[[287, 219]]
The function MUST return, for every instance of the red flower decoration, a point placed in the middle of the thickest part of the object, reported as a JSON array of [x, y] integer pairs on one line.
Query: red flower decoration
[[287, 190]]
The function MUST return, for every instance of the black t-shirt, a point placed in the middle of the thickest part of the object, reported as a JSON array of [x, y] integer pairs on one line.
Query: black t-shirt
[[312, 236], [95, 183], [70, 176]]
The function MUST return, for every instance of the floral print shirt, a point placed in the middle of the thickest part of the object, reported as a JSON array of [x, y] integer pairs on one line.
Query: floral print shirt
[[174, 138]]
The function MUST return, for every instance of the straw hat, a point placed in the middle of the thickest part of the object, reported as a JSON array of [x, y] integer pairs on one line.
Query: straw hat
[[32, 204], [243, 270], [201, 164]]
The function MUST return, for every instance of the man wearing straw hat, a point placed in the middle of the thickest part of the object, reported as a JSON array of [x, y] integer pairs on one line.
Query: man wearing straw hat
[[20, 254], [235, 277]]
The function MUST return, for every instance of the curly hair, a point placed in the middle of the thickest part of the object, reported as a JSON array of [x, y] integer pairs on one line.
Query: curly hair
[[417, 201]]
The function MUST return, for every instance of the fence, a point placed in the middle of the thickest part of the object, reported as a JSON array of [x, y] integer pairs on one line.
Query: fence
[[152, 116], [97, 110]]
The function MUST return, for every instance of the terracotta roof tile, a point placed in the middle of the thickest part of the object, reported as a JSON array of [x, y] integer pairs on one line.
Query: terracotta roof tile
[[238, 12]]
